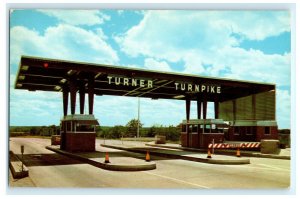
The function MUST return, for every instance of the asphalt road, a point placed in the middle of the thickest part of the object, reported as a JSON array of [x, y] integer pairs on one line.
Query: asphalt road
[[48, 169]]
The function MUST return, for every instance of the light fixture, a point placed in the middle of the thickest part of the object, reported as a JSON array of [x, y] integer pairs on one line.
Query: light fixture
[[71, 72], [21, 77], [178, 96], [24, 68], [57, 88], [62, 81], [19, 85]]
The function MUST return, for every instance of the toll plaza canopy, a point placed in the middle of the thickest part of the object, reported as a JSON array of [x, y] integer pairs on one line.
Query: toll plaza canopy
[[56, 75]]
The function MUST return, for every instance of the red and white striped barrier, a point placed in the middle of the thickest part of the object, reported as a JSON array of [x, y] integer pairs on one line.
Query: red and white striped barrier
[[233, 145], [250, 145]]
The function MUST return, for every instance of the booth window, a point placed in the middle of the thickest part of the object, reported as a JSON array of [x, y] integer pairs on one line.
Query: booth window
[[236, 130], [84, 128], [249, 130], [267, 130], [183, 128], [214, 128]]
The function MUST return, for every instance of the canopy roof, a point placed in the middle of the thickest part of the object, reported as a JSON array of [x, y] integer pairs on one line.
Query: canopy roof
[[45, 74]]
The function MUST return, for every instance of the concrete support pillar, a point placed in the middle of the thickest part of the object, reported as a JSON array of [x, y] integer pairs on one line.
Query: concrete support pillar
[[198, 108], [65, 100], [234, 109], [216, 109], [82, 98], [91, 94], [198, 117], [254, 107], [73, 90], [204, 107], [187, 108]]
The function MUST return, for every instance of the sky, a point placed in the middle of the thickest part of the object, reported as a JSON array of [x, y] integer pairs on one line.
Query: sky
[[242, 45]]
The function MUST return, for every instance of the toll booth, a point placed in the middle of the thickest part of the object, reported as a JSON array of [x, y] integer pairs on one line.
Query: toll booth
[[252, 130], [78, 133], [198, 133]]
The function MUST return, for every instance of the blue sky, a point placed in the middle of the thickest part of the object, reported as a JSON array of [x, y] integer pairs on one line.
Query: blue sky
[[245, 45]]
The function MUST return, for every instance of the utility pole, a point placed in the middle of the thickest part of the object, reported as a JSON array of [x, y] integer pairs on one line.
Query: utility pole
[[138, 125]]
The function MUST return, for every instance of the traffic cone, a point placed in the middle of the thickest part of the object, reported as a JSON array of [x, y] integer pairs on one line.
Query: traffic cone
[[147, 156], [208, 154], [106, 158], [238, 153]]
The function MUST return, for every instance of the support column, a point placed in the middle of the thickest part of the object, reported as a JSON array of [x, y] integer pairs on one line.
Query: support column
[[254, 107], [204, 107], [234, 109], [187, 108], [198, 117], [82, 97], [91, 94], [73, 91], [65, 100], [216, 109], [198, 108]]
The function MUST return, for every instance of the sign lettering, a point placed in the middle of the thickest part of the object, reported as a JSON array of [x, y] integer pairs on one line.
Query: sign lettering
[[197, 88]]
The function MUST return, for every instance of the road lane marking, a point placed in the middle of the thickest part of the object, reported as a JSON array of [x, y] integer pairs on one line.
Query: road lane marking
[[257, 166], [273, 167], [177, 180]]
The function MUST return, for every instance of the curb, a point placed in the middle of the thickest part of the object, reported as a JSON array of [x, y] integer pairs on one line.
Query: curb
[[189, 158], [16, 167], [226, 152], [107, 166]]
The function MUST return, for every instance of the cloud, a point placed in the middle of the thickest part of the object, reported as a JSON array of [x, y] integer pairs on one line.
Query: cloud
[[204, 42], [153, 64], [61, 42], [78, 17], [162, 33]]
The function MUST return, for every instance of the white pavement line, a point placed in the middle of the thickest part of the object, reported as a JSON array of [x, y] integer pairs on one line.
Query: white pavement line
[[177, 180], [265, 167], [272, 167]]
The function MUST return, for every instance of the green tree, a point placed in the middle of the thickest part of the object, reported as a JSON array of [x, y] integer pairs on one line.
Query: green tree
[[34, 131], [132, 126], [117, 131]]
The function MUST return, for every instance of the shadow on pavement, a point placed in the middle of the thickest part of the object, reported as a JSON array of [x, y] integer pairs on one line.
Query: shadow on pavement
[[50, 159]]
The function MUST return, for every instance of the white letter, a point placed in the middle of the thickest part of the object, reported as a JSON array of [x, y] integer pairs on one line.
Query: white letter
[[218, 89], [196, 88], [109, 79], [190, 88], [125, 81], [142, 83], [212, 89], [150, 84], [203, 88], [182, 87], [176, 84], [117, 80], [133, 82]]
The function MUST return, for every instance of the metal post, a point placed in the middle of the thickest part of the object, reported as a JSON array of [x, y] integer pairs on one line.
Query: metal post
[[22, 152], [213, 142], [138, 125]]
